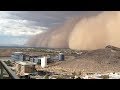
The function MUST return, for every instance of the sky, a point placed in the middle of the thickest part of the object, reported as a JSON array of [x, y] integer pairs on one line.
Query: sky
[[16, 27]]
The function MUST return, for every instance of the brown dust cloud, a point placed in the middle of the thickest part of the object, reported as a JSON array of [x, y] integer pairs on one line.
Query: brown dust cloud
[[88, 33]]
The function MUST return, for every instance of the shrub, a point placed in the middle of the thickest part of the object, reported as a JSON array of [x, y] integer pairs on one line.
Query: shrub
[[8, 63], [90, 73], [74, 73], [60, 77], [46, 77], [80, 73], [104, 76]]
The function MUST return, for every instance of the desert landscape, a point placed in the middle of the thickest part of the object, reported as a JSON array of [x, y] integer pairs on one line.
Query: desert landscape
[[80, 62], [77, 43]]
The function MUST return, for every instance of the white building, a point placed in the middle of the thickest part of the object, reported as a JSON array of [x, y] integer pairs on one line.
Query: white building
[[44, 62]]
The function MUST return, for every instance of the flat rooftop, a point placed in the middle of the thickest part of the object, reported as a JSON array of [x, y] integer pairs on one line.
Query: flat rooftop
[[25, 63]]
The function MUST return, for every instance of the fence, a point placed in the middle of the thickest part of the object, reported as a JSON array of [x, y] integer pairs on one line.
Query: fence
[[6, 72]]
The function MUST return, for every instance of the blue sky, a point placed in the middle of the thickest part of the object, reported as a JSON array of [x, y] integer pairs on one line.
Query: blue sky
[[17, 26]]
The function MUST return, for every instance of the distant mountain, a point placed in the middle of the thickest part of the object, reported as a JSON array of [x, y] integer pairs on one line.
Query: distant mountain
[[11, 46]]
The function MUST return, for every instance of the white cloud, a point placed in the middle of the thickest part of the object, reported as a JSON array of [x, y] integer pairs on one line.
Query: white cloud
[[17, 27]]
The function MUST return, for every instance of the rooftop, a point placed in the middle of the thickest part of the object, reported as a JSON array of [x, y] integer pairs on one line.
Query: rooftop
[[25, 63], [18, 52]]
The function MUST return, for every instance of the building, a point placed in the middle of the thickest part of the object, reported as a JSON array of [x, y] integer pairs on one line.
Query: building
[[18, 56], [61, 56], [34, 59], [24, 68], [44, 62], [37, 59]]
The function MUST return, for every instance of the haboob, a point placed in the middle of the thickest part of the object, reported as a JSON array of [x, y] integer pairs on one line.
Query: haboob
[[88, 33]]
